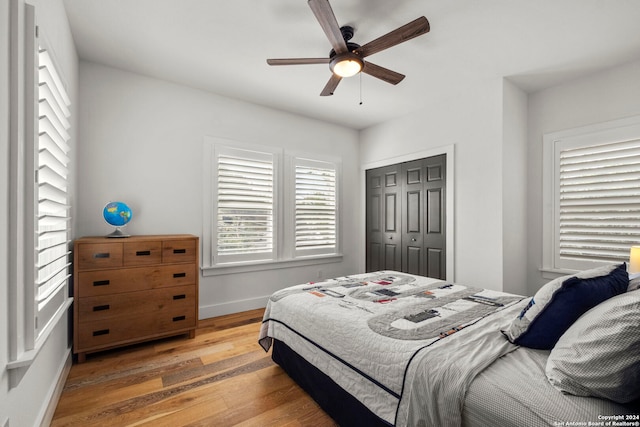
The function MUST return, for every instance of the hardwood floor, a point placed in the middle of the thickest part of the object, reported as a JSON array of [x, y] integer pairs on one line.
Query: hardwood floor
[[220, 378]]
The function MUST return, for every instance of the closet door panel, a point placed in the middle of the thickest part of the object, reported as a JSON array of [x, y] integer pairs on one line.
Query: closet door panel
[[413, 209], [435, 217], [393, 217]]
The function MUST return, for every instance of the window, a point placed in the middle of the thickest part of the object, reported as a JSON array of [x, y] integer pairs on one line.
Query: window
[[593, 192], [52, 234], [267, 206], [315, 207], [245, 205], [39, 212]]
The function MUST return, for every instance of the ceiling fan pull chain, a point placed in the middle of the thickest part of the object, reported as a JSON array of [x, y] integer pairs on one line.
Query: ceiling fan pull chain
[[360, 88]]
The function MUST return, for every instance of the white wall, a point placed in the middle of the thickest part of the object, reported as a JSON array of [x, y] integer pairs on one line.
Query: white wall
[[608, 95], [27, 404], [471, 119], [142, 143], [514, 184]]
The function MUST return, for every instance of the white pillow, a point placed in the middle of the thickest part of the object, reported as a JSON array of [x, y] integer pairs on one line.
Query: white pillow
[[599, 355], [634, 282]]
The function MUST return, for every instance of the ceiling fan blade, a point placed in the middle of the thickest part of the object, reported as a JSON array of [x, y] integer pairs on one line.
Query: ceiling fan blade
[[331, 85], [297, 61], [382, 73], [402, 34], [325, 16]]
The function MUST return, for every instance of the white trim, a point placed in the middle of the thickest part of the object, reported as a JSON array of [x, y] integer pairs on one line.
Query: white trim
[[232, 268], [56, 391], [449, 150], [15, 303], [26, 358], [214, 310]]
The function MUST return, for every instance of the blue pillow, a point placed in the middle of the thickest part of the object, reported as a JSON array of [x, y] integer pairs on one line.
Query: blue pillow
[[559, 303]]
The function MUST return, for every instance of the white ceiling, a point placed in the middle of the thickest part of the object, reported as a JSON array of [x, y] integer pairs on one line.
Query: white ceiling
[[221, 47]]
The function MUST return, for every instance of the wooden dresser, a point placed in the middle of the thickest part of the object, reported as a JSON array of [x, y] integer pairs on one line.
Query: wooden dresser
[[133, 289]]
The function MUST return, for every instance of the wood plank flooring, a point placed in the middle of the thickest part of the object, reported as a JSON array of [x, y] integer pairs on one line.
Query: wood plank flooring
[[220, 378]]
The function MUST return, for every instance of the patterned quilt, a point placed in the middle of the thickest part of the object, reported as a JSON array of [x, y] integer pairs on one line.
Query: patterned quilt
[[405, 346]]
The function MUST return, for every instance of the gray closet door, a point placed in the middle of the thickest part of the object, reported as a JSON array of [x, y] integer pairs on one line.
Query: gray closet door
[[413, 204], [406, 217], [435, 216], [384, 219]]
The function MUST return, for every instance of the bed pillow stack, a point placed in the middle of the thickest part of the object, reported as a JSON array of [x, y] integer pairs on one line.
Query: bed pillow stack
[[559, 303], [599, 355]]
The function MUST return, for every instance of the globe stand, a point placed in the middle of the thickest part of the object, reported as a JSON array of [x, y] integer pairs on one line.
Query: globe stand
[[117, 233]]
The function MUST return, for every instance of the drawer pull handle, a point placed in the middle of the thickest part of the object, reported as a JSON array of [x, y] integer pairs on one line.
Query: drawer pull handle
[[176, 275], [143, 253], [181, 296], [179, 251], [101, 283], [102, 255], [178, 318], [101, 307], [100, 332]]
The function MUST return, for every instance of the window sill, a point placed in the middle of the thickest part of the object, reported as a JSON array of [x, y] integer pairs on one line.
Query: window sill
[[247, 267], [554, 273], [18, 367]]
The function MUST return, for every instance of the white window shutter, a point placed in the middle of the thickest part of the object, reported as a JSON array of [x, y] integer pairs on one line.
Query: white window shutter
[[245, 205], [598, 215], [315, 207], [52, 223]]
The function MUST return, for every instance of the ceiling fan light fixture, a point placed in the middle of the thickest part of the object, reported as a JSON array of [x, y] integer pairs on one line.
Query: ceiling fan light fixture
[[346, 65]]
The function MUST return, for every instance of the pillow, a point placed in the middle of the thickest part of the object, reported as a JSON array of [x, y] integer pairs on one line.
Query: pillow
[[560, 302], [634, 282], [599, 355]]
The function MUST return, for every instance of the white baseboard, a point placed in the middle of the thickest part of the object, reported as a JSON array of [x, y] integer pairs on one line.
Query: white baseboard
[[57, 390], [230, 307]]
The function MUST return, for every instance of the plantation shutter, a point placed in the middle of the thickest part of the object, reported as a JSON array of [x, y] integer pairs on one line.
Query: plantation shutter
[[599, 200], [315, 207], [52, 219], [245, 205]]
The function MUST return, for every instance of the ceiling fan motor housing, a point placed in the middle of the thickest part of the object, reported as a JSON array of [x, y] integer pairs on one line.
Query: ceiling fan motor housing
[[351, 47]]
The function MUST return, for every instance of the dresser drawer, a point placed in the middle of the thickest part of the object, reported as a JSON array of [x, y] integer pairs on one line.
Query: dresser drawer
[[142, 253], [125, 280], [120, 330], [122, 305], [99, 255], [179, 251]]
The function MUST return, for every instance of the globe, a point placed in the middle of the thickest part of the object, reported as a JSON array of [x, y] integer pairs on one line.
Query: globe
[[117, 214]]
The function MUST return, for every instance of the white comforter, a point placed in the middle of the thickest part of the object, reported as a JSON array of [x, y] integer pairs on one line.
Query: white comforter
[[405, 346]]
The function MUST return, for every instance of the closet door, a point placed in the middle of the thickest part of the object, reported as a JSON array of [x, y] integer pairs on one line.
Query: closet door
[[383, 219], [406, 217], [435, 216], [375, 214], [392, 208], [413, 258]]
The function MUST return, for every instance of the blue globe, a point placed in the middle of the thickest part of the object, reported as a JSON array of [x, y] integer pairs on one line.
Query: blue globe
[[117, 213]]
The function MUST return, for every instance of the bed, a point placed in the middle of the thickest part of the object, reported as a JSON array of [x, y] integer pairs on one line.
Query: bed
[[391, 348]]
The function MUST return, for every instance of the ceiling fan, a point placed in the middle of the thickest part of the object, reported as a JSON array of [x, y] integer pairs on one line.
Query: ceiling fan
[[346, 58]]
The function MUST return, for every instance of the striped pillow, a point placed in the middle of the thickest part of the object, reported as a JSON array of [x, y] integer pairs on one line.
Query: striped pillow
[[599, 355]]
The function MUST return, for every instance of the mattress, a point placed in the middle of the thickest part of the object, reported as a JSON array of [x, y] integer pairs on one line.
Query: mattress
[[409, 350], [514, 391]]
